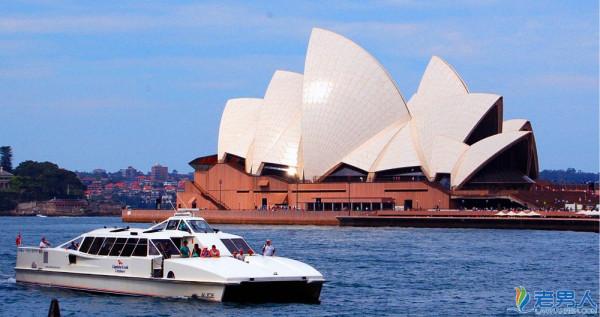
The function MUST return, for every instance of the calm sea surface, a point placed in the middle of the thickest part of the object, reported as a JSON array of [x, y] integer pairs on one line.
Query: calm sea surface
[[370, 271]]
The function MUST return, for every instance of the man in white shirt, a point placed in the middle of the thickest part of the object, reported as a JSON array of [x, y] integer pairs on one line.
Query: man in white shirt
[[45, 243], [268, 249]]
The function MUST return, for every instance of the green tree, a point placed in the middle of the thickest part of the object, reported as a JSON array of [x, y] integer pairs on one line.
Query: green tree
[[6, 158], [45, 180]]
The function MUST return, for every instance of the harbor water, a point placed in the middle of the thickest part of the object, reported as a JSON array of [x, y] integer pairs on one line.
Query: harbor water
[[369, 271]]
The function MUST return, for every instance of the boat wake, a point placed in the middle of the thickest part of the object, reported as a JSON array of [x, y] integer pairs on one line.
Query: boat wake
[[10, 280]]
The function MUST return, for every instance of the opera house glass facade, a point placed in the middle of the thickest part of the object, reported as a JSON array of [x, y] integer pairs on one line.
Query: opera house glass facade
[[342, 136]]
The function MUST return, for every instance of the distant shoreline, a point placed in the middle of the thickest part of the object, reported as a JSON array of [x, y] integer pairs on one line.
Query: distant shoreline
[[54, 215]]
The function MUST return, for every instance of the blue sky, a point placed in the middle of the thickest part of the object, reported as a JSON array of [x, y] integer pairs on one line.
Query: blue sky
[[107, 84]]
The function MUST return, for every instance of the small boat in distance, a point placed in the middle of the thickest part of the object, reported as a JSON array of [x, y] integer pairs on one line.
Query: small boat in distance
[[41, 216], [149, 262]]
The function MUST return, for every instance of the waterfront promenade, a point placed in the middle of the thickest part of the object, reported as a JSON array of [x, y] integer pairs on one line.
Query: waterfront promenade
[[259, 217], [547, 220]]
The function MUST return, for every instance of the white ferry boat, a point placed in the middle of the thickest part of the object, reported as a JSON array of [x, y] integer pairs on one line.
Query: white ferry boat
[[149, 262]]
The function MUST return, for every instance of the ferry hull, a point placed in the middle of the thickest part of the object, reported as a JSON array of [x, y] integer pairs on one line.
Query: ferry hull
[[255, 292], [122, 285], [280, 292]]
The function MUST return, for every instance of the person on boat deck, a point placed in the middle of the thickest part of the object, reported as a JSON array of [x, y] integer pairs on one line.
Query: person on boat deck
[[73, 246], [214, 252], [185, 251], [240, 256], [205, 253], [196, 252], [268, 249], [234, 254], [45, 243]]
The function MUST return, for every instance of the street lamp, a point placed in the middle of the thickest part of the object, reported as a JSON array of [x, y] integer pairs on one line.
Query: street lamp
[[294, 173]]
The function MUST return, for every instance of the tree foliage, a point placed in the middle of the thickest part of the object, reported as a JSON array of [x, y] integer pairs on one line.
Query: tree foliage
[[6, 158], [568, 176], [43, 181]]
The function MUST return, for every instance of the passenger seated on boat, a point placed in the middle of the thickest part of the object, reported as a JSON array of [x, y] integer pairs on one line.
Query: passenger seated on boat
[[196, 252], [73, 246], [250, 252], [45, 243], [205, 253], [234, 254], [185, 251], [240, 256], [214, 252]]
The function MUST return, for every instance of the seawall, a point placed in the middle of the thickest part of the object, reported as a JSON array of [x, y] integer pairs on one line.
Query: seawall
[[259, 217], [554, 220], [536, 223]]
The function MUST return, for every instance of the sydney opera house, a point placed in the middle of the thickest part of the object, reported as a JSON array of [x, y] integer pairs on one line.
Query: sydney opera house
[[342, 136]]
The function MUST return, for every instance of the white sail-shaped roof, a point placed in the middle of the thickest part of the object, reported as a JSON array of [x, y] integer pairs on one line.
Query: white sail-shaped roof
[[441, 80], [398, 153], [453, 117], [446, 152], [282, 110], [514, 125], [285, 151], [365, 155], [482, 152], [348, 97], [346, 108], [238, 126]]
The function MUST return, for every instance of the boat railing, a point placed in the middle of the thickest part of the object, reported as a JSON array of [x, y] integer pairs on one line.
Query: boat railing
[[185, 212], [31, 249]]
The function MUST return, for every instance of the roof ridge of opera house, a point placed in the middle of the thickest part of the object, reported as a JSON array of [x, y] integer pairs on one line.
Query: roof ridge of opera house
[[344, 118]]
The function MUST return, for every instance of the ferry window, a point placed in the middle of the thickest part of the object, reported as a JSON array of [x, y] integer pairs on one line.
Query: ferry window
[[199, 226], [172, 225], [76, 242], [159, 226], [129, 246], [119, 244], [152, 250], [183, 227], [105, 248], [166, 247], [85, 245], [96, 245], [142, 248], [177, 242], [241, 244], [230, 245]]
